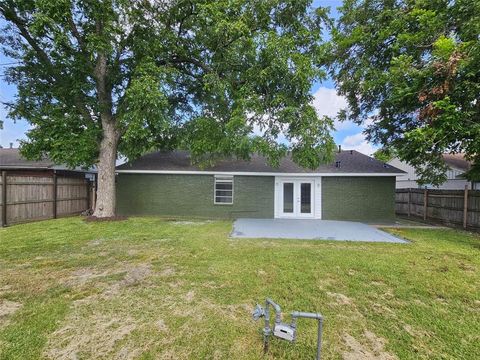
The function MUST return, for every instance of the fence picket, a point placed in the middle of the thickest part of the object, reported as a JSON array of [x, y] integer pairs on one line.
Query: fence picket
[[450, 207], [29, 198]]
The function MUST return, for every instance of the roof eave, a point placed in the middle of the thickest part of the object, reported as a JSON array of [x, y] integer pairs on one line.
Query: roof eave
[[24, 167], [258, 173]]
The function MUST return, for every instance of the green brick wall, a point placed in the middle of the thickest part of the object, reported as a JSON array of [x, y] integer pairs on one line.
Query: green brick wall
[[343, 198], [358, 198], [192, 195]]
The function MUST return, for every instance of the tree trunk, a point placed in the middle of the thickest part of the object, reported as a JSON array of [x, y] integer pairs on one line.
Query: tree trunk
[[105, 206]]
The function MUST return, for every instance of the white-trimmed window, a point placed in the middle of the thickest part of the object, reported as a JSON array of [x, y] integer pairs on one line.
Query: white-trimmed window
[[223, 192]]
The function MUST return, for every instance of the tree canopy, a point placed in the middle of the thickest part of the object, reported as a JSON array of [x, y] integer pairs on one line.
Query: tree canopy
[[98, 79], [410, 71], [198, 74]]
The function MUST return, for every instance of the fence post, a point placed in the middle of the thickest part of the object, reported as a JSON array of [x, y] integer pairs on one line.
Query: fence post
[[425, 204], [54, 194], [94, 192], [87, 182], [409, 200], [465, 206], [4, 198]]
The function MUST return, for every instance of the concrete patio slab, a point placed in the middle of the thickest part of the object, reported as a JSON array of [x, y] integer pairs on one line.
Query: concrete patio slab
[[310, 230]]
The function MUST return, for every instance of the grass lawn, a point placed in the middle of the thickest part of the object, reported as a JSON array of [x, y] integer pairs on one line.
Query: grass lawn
[[150, 288]]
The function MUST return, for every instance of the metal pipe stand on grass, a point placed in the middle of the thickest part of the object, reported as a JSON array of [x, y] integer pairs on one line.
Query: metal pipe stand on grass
[[283, 330]]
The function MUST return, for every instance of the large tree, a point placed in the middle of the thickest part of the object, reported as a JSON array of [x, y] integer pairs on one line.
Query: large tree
[[410, 71], [108, 78]]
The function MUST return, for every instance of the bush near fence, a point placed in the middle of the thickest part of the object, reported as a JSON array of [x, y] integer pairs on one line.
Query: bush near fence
[[450, 207], [31, 195]]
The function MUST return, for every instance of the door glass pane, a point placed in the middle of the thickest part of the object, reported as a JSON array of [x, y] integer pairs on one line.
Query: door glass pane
[[288, 197], [305, 198]]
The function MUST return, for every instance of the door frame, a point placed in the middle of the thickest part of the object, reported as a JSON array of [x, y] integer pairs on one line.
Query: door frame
[[316, 197]]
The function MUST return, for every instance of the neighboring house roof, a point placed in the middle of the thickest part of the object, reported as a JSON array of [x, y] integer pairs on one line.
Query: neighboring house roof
[[350, 162], [12, 159], [457, 161]]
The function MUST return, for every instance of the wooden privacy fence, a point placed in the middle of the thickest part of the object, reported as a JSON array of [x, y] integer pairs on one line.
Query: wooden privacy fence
[[28, 196], [451, 207]]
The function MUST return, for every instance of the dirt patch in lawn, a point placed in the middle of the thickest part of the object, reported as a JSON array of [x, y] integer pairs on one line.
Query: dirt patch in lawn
[[213, 285], [190, 223], [89, 332], [8, 307], [382, 309], [111, 218], [416, 332], [82, 276], [168, 271], [136, 274], [161, 326], [133, 275], [372, 349], [189, 296], [95, 242], [340, 299], [98, 337]]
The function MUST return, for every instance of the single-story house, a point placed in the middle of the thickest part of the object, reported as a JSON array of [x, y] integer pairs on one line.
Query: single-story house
[[457, 167], [353, 187]]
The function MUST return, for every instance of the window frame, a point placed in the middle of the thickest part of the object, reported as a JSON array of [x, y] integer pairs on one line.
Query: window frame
[[222, 179]]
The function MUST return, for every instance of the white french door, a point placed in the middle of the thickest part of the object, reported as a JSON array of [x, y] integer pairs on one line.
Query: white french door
[[295, 198]]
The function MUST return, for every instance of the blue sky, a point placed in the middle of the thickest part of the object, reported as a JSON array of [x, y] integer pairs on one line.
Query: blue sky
[[325, 101]]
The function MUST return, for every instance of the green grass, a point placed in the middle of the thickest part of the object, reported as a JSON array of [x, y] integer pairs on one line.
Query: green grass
[[150, 288]]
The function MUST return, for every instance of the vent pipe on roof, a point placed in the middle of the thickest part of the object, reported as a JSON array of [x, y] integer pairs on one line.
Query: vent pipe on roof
[[351, 152], [337, 164], [339, 148], [11, 145]]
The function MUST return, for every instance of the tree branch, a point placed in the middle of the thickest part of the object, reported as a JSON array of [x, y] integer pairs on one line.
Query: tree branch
[[76, 34], [104, 90], [10, 15], [190, 13], [178, 59]]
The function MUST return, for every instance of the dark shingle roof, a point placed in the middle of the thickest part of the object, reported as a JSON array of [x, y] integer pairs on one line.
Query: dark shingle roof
[[350, 162], [11, 158]]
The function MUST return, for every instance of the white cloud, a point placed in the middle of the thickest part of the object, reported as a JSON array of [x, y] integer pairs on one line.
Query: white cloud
[[282, 139], [359, 143], [327, 102], [353, 140]]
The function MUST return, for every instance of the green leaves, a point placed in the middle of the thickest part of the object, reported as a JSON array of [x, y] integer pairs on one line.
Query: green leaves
[[414, 66], [143, 114], [443, 48], [203, 75]]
